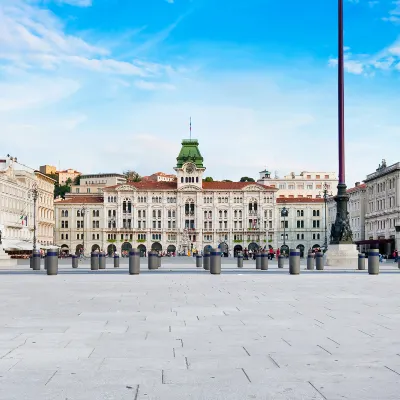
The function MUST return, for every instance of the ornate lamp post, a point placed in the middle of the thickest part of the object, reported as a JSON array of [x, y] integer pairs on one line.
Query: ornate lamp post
[[325, 194], [284, 214], [83, 213], [341, 231], [33, 193]]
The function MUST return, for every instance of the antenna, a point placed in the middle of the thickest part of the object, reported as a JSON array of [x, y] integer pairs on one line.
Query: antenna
[[190, 128]]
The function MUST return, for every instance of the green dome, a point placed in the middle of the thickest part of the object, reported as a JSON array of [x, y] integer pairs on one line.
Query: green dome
[[190, 153]]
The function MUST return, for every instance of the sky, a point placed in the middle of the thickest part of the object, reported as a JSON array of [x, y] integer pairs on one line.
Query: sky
[[110, 85]]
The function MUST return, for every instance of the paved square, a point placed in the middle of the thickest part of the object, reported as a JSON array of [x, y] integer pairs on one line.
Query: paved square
[[188, 335]]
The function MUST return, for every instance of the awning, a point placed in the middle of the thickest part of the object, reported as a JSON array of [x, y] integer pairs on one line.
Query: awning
[[375, 241]]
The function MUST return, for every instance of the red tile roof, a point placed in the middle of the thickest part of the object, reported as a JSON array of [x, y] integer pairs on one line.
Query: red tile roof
[[359, 187], [152, 185], [79, 199], [298, 200]]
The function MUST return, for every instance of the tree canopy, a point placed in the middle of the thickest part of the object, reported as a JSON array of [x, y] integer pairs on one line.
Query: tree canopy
[[132, 176], [246, 179], [77, 180], [208, 179]]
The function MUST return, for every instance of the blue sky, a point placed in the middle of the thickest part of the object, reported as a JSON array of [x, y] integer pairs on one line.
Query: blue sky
[[106, 85]]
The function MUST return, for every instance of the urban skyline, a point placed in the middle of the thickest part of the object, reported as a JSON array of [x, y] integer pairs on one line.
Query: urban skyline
[[254, 94]]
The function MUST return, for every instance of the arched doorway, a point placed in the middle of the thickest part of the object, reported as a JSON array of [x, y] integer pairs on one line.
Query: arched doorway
[[79, 249], [237, 249], [316, 246], [171, 249], [285, 249], [253, 247], [224, 249], [95, 247], [111, 249], [208, 248], [156, 247], [65, 249], [301, 248], [125, 249], [142, 249]]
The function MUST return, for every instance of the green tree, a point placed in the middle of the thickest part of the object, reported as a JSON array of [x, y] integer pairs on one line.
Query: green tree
[[132, 176], [61, 190], [226, 180], [68, 182], [77, 180], [246, 179], [208, 179]]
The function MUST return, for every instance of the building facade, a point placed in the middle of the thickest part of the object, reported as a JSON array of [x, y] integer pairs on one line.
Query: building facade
[[305, 185], [48, 169], [93, 184], [45, 209], [382, 214], [160, 177], [177, 217], [68, 174], [16, 208]]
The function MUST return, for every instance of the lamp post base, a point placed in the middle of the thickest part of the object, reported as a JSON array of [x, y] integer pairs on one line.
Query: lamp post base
[[344, 256]]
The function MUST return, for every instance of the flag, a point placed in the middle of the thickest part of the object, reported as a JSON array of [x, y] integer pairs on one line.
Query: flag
[[24, 220]]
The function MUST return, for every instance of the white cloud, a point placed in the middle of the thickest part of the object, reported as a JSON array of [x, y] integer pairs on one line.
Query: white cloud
[[146, 85], [170, 1], [78, 3]]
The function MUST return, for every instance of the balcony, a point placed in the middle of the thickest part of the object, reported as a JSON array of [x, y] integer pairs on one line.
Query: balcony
[[189, 213]]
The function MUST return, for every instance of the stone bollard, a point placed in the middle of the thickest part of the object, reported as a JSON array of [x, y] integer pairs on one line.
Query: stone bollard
[[94, 261], [319, 261], [206, 260], [199, 261], [258, 261], [240, 260], [281, 261], [159, 258], [215, 262], [264, 261], [373, 261], [74, 261], [134, 262], [294, 262], [36, 260], [102, 260], [51, 261], [361, 262], [152, 260], [310, 261], [116, 261], [398, 262], [30, 261]]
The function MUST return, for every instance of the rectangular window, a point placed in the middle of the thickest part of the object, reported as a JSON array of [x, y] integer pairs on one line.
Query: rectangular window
[[154, 225], [159, 224], [66, 236]]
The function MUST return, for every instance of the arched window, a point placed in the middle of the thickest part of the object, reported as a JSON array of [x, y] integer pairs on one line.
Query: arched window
[[94, 213], [250, 206], [235, 213], [78, 213], [225, 214], [220, 213], [66, 213], [62, 213], [298, 213], [182, 179], [197, 179]]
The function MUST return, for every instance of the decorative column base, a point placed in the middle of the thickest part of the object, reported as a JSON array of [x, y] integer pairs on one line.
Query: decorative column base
[[344, 256]]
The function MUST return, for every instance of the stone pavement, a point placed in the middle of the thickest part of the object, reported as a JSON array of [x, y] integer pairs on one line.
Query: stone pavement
[[189, 335]]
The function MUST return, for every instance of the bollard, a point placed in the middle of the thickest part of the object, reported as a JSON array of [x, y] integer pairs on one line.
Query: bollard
[[398, 262], [134, 262], [281, 261], [51, 261], [240, 260], [159, 260], [36, 260], [373, 261], [199, 261], [264, 261], [319, 261], [74, 261], [310, 261], [294, 262], [258, 260], [30, 261], [215, 262], [94, 261], [116, 261], [152, 260], [206, 260], [361, 262], [102, 260]]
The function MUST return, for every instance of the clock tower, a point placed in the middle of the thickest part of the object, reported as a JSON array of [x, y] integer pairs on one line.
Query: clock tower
[[189, 167]]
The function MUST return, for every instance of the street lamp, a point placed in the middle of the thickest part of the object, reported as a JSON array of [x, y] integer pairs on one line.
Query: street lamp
[[33, 193], [83, 213], [284, 214], [325, 194]]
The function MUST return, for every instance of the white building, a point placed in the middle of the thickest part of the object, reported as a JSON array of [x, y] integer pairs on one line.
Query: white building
[[93, 184], [304, 226], [16, 209], [184, 215], [383, 207], [305, 185]]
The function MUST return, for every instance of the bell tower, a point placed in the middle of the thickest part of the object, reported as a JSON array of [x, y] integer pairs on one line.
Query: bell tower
[[189, 167]]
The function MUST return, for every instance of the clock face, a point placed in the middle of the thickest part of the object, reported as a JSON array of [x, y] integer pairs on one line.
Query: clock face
[[190, 169]]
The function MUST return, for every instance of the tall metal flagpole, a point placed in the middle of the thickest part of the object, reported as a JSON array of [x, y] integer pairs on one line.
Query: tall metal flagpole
[[341, 232]]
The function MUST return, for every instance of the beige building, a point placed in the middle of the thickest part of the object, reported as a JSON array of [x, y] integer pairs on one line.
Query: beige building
[[63, 176], [185, 215], [160, 177], [45, 209], [48, 169], [95, 183], [305, 185]]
